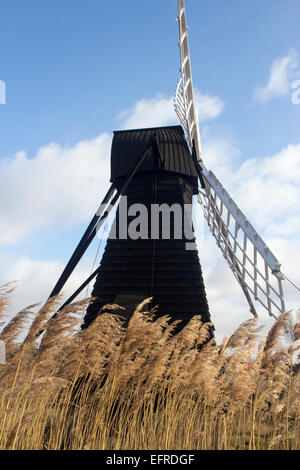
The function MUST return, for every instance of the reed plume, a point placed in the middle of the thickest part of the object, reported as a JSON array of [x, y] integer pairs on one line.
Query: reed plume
[[143, 385]]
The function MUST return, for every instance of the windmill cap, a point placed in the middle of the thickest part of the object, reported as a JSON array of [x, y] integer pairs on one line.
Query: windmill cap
[[168, 151]]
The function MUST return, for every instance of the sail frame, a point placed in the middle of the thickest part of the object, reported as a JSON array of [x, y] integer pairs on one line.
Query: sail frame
[[257, 286]]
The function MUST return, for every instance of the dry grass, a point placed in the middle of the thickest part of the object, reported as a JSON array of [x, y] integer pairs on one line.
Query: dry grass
[[108, 387]]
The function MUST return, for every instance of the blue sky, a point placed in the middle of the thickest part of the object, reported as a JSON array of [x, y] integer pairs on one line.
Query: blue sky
[[72, 66], [75, 71]]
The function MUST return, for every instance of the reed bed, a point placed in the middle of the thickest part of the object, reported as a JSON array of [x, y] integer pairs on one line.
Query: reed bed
[[142, 387]]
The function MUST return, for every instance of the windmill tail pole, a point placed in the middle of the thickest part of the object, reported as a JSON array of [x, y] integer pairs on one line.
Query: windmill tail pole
[[82, 246], [77, 292]]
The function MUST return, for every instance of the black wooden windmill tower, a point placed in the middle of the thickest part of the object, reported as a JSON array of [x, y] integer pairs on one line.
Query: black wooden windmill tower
[[151, 250]]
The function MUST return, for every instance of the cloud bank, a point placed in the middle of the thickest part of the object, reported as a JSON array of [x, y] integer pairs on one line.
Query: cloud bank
[[64, 185]]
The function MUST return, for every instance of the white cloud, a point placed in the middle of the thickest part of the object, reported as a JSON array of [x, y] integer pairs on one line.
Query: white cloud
[[281, 75], [220, 154], [268, 188], [159, 111], [209, 107], [153, 112], [57, 186]]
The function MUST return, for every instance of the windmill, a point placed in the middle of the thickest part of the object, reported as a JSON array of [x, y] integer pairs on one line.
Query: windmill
[[164, 166]]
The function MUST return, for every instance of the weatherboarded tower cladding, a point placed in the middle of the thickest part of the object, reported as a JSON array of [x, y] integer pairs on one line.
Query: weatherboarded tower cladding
[[132, 270]]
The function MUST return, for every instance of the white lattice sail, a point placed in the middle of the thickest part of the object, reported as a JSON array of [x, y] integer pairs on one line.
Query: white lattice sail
[[253, 264], [184, 102]]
